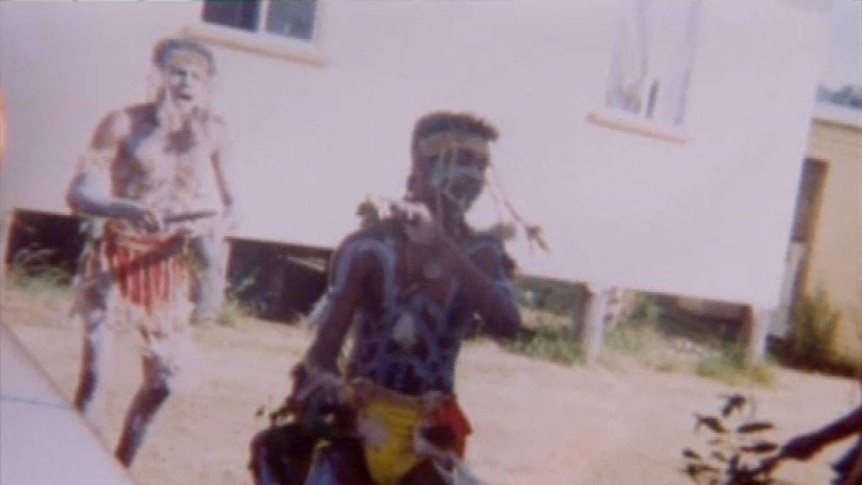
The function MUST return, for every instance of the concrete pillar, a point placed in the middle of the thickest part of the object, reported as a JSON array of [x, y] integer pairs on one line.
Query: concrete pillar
[[580, 297], [756, 331], [592, 331], [781, 322]]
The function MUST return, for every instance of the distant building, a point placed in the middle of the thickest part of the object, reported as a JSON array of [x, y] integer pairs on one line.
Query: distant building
[[826, 241], [650, 139]]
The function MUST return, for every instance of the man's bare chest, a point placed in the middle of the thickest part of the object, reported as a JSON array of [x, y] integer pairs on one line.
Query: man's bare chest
[[405, 284], [153, 157]]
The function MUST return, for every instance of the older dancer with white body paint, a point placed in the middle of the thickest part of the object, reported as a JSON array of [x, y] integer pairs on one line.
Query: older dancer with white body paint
[[149, 172]]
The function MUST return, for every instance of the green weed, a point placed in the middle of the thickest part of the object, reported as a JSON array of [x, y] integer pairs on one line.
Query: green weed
[[726, 365], [234, 310], [549, 343]]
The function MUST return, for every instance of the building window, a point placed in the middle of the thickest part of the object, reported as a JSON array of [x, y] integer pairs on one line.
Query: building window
[[293, 19], [282, 28], [652, 60]]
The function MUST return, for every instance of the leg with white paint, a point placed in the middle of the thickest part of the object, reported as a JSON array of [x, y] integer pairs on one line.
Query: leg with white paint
[[91, 303], [153, 392], [208, 278]]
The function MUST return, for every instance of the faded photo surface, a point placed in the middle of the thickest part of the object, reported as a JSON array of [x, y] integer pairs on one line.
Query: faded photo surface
[[271, 242]]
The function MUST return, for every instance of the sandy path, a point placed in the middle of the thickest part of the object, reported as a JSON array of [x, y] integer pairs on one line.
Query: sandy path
[[535, 423]]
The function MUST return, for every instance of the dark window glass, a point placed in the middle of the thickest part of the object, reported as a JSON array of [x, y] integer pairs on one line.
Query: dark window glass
[[291, 18], [241, 14]]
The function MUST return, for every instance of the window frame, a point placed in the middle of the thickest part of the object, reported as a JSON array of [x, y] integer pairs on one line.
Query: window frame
[[621, 121], [260, 41], [637, 123]]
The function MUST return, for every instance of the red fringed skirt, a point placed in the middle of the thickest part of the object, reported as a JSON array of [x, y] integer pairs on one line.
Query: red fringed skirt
[[148, 280]]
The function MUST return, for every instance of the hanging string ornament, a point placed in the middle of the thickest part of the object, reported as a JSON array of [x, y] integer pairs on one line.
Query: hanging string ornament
[[533, 232]]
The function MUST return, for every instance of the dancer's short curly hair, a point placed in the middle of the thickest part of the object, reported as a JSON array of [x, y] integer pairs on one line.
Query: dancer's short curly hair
[[163, 49], [443, 121]]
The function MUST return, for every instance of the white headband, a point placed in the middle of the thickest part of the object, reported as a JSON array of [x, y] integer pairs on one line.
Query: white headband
[[439, 142]]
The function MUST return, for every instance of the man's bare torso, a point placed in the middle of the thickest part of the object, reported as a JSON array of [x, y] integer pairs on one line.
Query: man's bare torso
[[414, 315], [168, 170]]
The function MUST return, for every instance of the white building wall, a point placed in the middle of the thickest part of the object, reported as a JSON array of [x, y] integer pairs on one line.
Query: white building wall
[[708, 217]]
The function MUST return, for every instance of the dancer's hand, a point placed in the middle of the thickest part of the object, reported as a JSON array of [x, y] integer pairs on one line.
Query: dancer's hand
[[317, 392], [421, 226], [142, 216]]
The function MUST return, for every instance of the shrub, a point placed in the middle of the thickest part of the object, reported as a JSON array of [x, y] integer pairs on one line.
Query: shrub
[[31, 269], [814, 333]]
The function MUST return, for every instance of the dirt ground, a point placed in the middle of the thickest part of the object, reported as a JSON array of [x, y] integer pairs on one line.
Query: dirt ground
[[534, 422]]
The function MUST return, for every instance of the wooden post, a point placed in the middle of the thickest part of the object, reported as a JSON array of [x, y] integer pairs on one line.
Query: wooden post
[[593, 321], [756, 331]]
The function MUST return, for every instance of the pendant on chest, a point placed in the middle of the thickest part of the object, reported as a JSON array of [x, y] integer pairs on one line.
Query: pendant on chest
[[432, 270], [406, 333]]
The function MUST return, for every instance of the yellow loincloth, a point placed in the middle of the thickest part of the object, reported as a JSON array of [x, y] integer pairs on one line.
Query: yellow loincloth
[[388, 430], [389, 421]]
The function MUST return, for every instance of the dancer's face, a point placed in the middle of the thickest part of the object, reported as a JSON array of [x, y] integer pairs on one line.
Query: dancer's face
[[186, 81], [455, 166]]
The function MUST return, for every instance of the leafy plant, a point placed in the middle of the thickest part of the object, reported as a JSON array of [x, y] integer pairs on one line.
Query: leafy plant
[[736, 450]]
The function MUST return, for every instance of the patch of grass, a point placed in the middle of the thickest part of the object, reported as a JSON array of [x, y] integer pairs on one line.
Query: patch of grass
[[725, 365], [47, 286], [549, 343], [234, 309], [31, 271], [28, 307], [650, 337], [233, 312], [641, 344], [668, 366], [655, 338], [638, 340], [634, 339], [640, 333], [44, 287]]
